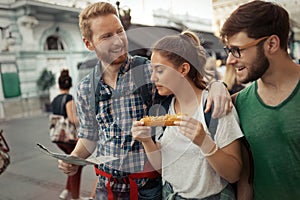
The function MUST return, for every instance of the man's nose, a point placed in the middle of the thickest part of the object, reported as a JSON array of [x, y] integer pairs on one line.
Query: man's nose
[[117, 39], [231, 59]]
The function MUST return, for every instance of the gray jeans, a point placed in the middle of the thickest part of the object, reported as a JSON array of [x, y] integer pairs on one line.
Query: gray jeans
[[226, 194], [144, 193]]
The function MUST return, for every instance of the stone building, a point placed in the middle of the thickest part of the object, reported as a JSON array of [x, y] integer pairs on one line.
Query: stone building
[[35, 36]]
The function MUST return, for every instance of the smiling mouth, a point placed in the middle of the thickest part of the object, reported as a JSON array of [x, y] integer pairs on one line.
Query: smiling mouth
[[239, 68], [117, 50]]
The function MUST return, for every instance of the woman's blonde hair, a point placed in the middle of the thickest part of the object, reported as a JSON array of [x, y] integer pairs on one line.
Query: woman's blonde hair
[[92, 11], [181, 48]]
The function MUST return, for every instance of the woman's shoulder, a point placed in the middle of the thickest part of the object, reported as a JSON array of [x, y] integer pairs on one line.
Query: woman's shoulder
[[57, 98], [60, 97], [69, 97]]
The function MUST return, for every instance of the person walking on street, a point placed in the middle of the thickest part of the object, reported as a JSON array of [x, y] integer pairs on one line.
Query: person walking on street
[[108, 99], [72, 188], [256, 35]]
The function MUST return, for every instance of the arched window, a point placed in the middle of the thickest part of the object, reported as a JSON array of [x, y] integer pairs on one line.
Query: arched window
[[54, 43]]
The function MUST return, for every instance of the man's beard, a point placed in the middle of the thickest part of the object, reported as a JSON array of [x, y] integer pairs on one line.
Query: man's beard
[[105, 58], [260, 66], [108, 57], [120, 60]]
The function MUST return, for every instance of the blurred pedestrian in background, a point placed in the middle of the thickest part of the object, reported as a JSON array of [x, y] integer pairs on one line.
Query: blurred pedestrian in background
[[72, 188], [212, 72], [230, 79]]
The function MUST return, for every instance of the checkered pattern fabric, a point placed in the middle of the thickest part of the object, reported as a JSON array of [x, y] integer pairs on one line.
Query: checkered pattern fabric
[[111, 127]]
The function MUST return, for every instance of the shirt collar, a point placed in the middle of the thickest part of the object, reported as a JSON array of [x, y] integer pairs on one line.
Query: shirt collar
[[124, 68], [126, 65]]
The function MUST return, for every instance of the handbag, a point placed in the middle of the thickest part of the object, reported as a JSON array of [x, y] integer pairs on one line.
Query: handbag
[[4, 156], [61, 129]]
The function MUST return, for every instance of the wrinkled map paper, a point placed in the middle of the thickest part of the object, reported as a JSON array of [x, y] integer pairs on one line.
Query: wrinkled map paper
[[76, 160]]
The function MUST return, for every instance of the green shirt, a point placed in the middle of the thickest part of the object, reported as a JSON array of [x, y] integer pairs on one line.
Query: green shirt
[[273, 133]]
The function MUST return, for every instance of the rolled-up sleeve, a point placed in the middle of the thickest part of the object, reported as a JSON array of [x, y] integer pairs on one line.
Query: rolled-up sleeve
[[87, 119]]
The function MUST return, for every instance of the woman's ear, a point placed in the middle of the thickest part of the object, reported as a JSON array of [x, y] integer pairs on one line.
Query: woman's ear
[[89, 45], [184, 68]]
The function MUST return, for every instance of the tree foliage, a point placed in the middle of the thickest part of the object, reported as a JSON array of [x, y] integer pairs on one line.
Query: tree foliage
[[46, 80]]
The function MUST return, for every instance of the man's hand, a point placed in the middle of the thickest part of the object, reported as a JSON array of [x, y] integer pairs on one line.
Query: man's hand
[[219, 97], [67, 168], [83, 149]]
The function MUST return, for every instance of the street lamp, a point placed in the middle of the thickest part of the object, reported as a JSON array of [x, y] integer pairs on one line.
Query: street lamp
[[125, 17]]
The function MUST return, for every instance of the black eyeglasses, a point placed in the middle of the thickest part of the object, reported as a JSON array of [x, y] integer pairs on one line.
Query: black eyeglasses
[[236, 51]]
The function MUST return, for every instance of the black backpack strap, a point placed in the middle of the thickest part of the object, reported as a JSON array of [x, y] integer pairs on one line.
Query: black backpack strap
[[95, 77], [211, 123], [63, 105], [161, 105], [139, 79]]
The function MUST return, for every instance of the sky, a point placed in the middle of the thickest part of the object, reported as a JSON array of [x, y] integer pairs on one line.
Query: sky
[[141, 10]]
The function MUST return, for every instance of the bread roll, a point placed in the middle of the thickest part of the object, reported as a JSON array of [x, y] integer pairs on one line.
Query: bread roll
[[166, 120]]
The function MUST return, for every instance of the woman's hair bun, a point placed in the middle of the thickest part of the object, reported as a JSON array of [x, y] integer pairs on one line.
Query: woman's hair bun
[[64, 80], [64, 72]]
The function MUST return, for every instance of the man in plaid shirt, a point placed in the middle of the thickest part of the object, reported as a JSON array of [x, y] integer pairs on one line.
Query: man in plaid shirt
[[116, 109], [108, 100]]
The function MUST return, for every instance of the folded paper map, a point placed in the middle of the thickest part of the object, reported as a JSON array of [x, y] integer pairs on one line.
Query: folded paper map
[[76, 160]]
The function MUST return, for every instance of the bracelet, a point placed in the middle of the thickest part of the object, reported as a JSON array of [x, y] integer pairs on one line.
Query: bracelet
[[216, 148], [207, 144]]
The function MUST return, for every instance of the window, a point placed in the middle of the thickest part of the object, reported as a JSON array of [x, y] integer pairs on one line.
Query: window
[[54, 43]]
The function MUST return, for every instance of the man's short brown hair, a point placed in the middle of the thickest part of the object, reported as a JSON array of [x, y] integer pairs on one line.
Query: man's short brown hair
[[92, 11]]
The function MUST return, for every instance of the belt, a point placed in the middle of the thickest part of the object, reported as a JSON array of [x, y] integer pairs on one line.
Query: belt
[[127, 180]]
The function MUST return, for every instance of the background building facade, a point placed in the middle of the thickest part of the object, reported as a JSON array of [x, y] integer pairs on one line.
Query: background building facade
[[35, 36], [43, 34]]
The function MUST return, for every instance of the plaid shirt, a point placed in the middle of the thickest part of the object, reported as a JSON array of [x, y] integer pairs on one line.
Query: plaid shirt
[[111, 127]]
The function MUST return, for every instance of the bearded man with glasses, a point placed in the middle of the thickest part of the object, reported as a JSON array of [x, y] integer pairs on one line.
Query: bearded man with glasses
[[256, 36]]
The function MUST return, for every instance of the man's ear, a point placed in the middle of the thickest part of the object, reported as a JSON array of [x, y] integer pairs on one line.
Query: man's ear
[[185, 68], [89, 45], [273, 44]]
